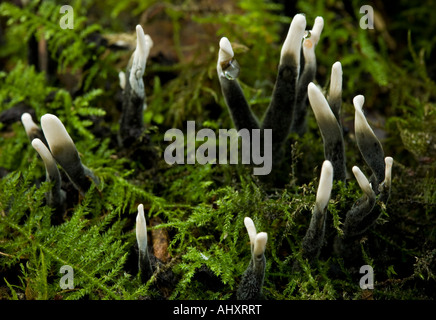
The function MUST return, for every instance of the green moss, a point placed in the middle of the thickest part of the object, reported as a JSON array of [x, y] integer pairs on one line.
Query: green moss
[[202, 208]]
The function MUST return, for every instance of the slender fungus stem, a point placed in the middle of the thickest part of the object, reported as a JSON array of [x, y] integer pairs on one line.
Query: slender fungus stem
[[331, 132], [307, 76], [279, 114], [250, 287], [56, 196], [228, 71], [144, 263], [64, 151], [314, 238], [369, 146], [131, 124]]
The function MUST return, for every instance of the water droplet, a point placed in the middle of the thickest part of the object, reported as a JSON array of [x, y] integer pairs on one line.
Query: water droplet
[[231, 71], [307, 34]]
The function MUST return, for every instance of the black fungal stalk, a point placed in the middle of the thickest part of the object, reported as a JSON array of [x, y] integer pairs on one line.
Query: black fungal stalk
[[331, 131], [250, 287], [65, 153], [314, 238], [56, 196], [228, 70]]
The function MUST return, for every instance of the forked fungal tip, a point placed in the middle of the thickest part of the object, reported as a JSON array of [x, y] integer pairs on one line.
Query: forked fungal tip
[[251, 229], [260, 243], [317, 29]]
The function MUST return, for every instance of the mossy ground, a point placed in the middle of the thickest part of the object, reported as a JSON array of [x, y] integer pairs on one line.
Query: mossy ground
[[198, 211]]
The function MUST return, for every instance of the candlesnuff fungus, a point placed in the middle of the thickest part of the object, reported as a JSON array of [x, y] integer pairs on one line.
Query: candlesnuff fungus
[[364, 211], [56, 196], [280, 112], [250, 287], [289, 96], [228, 69], [144, 264], [331, 131], [132, 84], [314, 238], [65, 153], [363, 214], [361, 208], [311, 40], [369, 146]]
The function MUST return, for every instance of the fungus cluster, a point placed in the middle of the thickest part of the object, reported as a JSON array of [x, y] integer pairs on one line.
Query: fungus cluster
[[55, 147], [286, 113], [287, 109]]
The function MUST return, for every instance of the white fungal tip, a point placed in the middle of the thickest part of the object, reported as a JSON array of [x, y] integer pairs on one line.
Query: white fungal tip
[[311, 41], [292, 44], [389, 161], [140, 39], [358, 102], [360, 122], [336, 80], [316, 98], [55, 133], [226, 51], [141, 53], [323, 114], [141, 229], [43, 151], [122, 77], [362, 181], [317, 27], [313, 91], [251, 229], [260, 243], [325, 185], [28, 123], [315, 33], [143, 46]]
